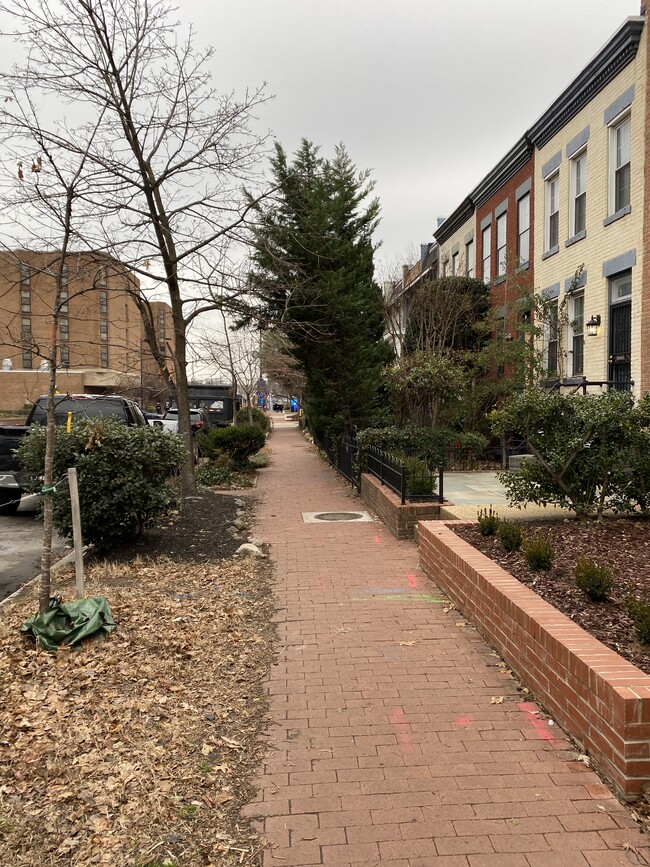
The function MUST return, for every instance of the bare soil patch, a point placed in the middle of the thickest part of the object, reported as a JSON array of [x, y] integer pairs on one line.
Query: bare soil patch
[[139, 749], [621, 543]]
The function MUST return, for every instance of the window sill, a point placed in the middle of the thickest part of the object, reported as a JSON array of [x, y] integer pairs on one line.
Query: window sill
[[617, 216], [550, 253], [524, 266], [499, 280], [574, 240]]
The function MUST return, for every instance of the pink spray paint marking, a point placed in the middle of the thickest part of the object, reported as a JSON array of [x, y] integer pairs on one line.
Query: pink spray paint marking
[[413, 580], [377, 539], [542, 728], [321, 586], [464, 721], [402, 728]]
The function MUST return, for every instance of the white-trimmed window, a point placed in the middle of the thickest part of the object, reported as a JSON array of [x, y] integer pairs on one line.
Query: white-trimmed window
[[469, 258], [454, 265], [577, 334], [619, 165], [578, 201], [487, 253], [552, 338], [552, 212], [501, 245], [523, 229]]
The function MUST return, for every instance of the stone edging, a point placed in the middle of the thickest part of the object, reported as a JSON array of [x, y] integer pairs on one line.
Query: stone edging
[[598, 697]]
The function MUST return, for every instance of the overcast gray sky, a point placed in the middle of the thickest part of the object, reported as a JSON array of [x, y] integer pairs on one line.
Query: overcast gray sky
[[429, 94]]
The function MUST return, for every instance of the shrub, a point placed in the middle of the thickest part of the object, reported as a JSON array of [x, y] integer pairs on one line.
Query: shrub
[[593, 579], [260, 418], [429, 444], [124, 476], [509, 534], [539, 552], [639, 611], [238, 443], [488, 522]]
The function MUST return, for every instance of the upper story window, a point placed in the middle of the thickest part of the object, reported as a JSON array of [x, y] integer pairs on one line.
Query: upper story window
[[64, 275], [454, 265], [64, 328], [63, 301], [25, 275], [469, 258], [103, 301], [552, 212], [103, 356], [523, 233], [100, 279], [578, 202], [27, 359], [25, 328], [25, 301], [103, 329], [161, 325], [501, 245], [487, 253], [64, 351], [619, 165]]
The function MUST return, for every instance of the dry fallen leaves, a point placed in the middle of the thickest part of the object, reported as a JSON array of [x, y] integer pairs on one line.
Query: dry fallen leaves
[[496, 699], [138, 749]]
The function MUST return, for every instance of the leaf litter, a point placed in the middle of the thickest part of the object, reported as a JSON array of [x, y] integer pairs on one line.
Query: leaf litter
[[139, 749]]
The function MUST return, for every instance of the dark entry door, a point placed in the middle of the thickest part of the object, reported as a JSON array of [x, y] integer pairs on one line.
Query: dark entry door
[[620, 345]]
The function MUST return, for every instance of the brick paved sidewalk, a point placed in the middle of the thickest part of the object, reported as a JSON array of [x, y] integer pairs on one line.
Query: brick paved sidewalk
[[399, 740]]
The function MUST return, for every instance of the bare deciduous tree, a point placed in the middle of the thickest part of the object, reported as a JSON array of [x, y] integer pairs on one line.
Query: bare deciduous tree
[[169, 156]]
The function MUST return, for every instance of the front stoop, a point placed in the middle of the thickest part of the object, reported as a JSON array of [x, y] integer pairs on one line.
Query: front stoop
[[598, 697]]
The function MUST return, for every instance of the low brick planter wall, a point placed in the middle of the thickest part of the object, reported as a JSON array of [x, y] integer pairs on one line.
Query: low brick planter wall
[[599, 698], [400, 519]]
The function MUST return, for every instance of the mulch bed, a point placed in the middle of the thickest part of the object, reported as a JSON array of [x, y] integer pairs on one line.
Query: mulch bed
[[140, 749], [623, 544]]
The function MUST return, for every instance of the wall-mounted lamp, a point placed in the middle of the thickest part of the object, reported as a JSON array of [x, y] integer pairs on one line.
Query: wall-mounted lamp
[[593, 325]]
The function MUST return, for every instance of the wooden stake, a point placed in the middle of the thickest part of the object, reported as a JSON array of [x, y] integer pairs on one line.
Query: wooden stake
[[76, 532]]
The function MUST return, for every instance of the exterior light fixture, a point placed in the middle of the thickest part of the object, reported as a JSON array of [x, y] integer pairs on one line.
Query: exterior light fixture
[[593, 325]]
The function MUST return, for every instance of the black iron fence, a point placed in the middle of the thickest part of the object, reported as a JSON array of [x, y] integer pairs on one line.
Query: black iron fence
[[409, 478], [343, 455]]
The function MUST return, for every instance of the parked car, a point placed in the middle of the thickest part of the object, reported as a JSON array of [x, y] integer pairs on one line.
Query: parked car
[[199, 419], [13, 481], [152, 416]]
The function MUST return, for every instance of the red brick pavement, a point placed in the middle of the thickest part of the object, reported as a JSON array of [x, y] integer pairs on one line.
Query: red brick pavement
[[387, 748]]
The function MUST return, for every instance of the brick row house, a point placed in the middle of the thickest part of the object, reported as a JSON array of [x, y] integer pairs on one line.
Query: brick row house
[[566, 213], [101, 346]]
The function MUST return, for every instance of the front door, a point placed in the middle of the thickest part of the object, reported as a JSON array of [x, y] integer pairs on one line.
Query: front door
[[620, 345]]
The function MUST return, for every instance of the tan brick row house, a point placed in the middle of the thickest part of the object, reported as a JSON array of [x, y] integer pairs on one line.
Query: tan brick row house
[[566, 212]]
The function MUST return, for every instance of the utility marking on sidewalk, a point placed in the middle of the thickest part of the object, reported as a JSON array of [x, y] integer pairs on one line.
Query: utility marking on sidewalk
[[540, 725], [398, 596], [377, 539], [413, 580], [464, 721], [321, 586], [402, 728], [373, 590]]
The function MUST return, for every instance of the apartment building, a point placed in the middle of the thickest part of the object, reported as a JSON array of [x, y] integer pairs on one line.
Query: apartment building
[[566, 213], [100, 338]]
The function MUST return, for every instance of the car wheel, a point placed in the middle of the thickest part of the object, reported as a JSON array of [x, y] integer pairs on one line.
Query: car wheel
[[9, 501]]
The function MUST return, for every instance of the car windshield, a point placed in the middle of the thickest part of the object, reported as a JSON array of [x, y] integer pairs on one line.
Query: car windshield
[[104, 408]]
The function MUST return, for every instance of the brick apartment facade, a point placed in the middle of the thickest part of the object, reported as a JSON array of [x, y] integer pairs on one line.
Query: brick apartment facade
[[100, 334]]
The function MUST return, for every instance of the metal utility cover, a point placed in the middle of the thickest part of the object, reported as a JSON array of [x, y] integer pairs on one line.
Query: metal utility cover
[[335, 517]]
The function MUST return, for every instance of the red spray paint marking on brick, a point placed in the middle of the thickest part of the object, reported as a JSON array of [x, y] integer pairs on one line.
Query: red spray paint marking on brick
[[402, 728], [377, 539], [413, 580], [464, 721], [542, 728]]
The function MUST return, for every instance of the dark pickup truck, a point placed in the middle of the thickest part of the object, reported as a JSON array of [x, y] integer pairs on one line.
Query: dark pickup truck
[[12, 479]]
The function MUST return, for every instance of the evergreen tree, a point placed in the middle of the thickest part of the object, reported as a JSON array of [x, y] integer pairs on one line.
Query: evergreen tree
[[313, 273]]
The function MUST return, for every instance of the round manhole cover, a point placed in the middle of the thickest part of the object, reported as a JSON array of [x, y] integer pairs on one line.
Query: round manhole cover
[[338, 516]]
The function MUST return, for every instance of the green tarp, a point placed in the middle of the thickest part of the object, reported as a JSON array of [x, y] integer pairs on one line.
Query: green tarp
[[70, 622]]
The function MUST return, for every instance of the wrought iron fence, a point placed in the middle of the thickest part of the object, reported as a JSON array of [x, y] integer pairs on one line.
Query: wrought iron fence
[[343, 455], [410, 479]]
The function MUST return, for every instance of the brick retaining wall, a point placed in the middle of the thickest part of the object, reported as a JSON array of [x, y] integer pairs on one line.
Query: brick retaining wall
[[400, 519], [599, 698]]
